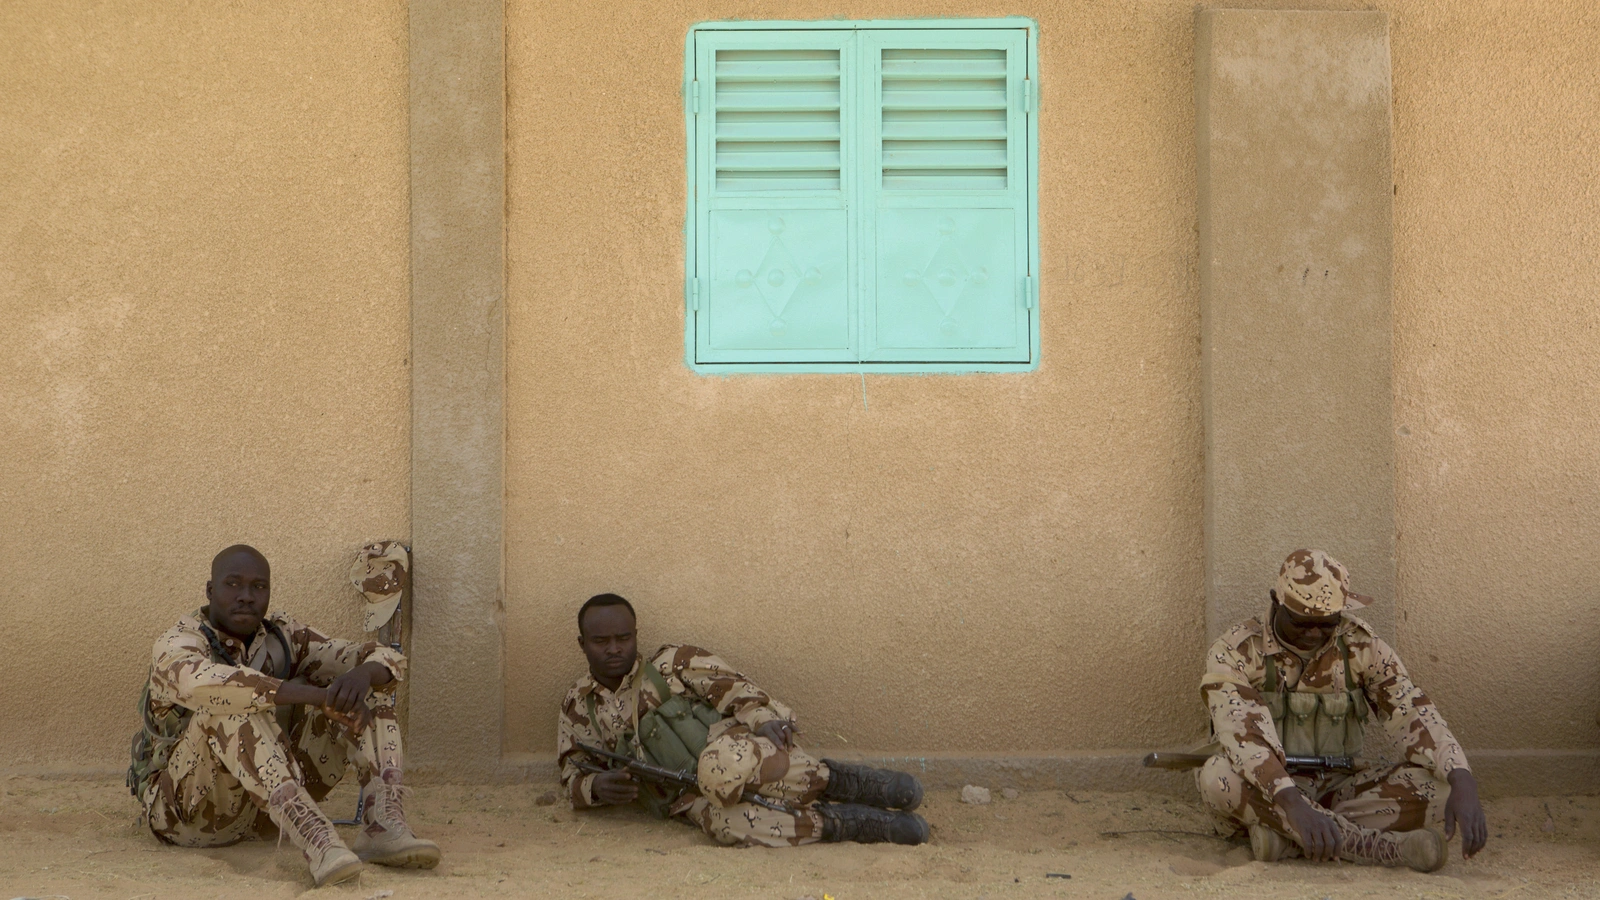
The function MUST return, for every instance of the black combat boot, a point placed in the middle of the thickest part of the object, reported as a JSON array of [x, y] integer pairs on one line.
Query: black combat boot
[[870, 825], [883, 788]]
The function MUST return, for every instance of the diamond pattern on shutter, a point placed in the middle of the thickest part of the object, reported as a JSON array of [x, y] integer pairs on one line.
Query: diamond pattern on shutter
[[777, 120], [944, 119]]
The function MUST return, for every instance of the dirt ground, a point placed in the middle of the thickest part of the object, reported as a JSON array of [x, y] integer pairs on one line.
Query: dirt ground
[[73, 839]]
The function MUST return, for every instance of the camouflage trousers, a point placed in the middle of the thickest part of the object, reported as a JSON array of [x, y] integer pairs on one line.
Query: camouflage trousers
[[1386, 798], [223, 768], [737, 760]]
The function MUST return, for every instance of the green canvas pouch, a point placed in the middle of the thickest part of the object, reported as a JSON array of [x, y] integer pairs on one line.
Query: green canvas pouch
[[1299, 732], [1332, 713]]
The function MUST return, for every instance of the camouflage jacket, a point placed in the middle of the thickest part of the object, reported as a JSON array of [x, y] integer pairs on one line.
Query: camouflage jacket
[[184, 674], [1236, 671], [687, 670]]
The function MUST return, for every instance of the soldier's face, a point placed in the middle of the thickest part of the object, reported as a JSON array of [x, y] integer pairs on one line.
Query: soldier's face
[[238, 593], [608, 640], [1304, 632]]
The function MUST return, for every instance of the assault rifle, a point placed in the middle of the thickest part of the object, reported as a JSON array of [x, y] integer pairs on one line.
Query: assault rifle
[[659, 775], [1164, 759]]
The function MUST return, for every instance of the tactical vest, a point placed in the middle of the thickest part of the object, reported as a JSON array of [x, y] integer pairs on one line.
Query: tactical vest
[[671, 736], [153, 742], [1313, 724]]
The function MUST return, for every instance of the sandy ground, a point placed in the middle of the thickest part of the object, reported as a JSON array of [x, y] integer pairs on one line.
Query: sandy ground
[[74, 839]]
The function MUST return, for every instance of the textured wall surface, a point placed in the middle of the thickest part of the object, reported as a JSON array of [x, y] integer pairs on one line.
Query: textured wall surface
[[203, 310], [1296, 226], [1497, 357], [457, 75], [203, 316], [925, 570], [916, 563]]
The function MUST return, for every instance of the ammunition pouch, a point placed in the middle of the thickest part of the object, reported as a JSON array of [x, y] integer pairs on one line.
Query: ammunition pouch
[[671, 736], [1318, 724], [153, 743]]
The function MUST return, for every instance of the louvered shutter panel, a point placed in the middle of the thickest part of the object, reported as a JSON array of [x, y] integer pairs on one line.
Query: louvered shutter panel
[[946, 168], [773, 174]]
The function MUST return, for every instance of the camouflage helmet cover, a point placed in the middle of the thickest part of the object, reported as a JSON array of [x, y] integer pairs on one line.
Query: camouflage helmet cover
[[1312, 583], [379, 573]]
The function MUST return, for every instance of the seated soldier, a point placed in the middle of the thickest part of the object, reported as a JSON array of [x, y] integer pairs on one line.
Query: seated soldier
[[684, 709], [1302, 683], [246, 713]]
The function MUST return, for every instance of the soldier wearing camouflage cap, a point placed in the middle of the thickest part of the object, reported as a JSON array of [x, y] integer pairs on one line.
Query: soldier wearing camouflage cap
[[248, 713], [1302, 682]]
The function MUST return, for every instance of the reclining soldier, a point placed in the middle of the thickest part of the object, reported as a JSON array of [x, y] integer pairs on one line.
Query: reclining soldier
[[1303, 683], [686, 710], [244, 713]]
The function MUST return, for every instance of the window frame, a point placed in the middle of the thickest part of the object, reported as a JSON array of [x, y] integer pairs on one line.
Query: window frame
[[694, 287]]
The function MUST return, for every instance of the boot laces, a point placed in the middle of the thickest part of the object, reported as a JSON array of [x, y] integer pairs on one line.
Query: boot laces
[[388, 806], [306, 820], [1375, 845]]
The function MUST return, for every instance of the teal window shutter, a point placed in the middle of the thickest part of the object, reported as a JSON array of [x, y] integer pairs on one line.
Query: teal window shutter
[[774, 261], [947, 171], [861, 196]]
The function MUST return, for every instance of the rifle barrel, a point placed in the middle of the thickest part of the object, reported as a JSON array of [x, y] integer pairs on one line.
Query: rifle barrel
[[1164, 759]]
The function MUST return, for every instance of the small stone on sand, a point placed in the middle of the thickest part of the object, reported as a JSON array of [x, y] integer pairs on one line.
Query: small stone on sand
[[974, 794]]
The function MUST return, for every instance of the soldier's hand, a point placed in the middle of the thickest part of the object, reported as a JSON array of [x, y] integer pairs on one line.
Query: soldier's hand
[[1463, 808], [356, 721], [350, 690], [615, 786], [778, 731], [1319, 834]]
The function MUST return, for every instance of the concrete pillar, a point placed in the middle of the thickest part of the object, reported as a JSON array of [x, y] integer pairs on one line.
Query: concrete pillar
[[1296, 208], [457, 59]]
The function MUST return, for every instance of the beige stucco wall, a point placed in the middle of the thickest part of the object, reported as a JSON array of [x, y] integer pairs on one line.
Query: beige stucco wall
[[1497, 359], [203, 331], [203, 310], [945, 564], [1014, 562]]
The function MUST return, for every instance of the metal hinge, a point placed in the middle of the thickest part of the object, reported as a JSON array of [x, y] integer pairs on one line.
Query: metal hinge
[[694, 293], [1028, 296], [1030, 96], [694, 97]]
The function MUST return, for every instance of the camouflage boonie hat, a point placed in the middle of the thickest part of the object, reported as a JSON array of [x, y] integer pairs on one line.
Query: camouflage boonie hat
[[1312, 583], [379, 573]]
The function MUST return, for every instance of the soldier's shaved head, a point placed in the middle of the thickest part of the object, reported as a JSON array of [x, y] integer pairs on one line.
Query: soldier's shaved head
[[228, 553], [606, 634], [239, 590], [600, 601]]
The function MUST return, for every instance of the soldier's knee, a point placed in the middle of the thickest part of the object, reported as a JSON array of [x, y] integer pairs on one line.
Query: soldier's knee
[[262, 724], [1221, 786], [726, 765]]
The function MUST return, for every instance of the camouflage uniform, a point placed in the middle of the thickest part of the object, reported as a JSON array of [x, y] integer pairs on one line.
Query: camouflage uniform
[[734, 759], [239, 746], [1239, 783]]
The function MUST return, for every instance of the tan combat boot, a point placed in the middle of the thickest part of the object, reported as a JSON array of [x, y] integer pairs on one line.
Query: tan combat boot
[[385, 838], [300, 820], [1267, 845], [1423, 849]]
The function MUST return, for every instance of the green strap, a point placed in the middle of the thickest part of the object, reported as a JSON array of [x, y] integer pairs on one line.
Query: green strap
[[1272, 676], [654, 674], [1349, 680], [651, 673]]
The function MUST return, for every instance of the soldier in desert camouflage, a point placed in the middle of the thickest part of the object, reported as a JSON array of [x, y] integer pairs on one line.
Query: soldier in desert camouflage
[[1302, 682], [730, 733], [246, 713]]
